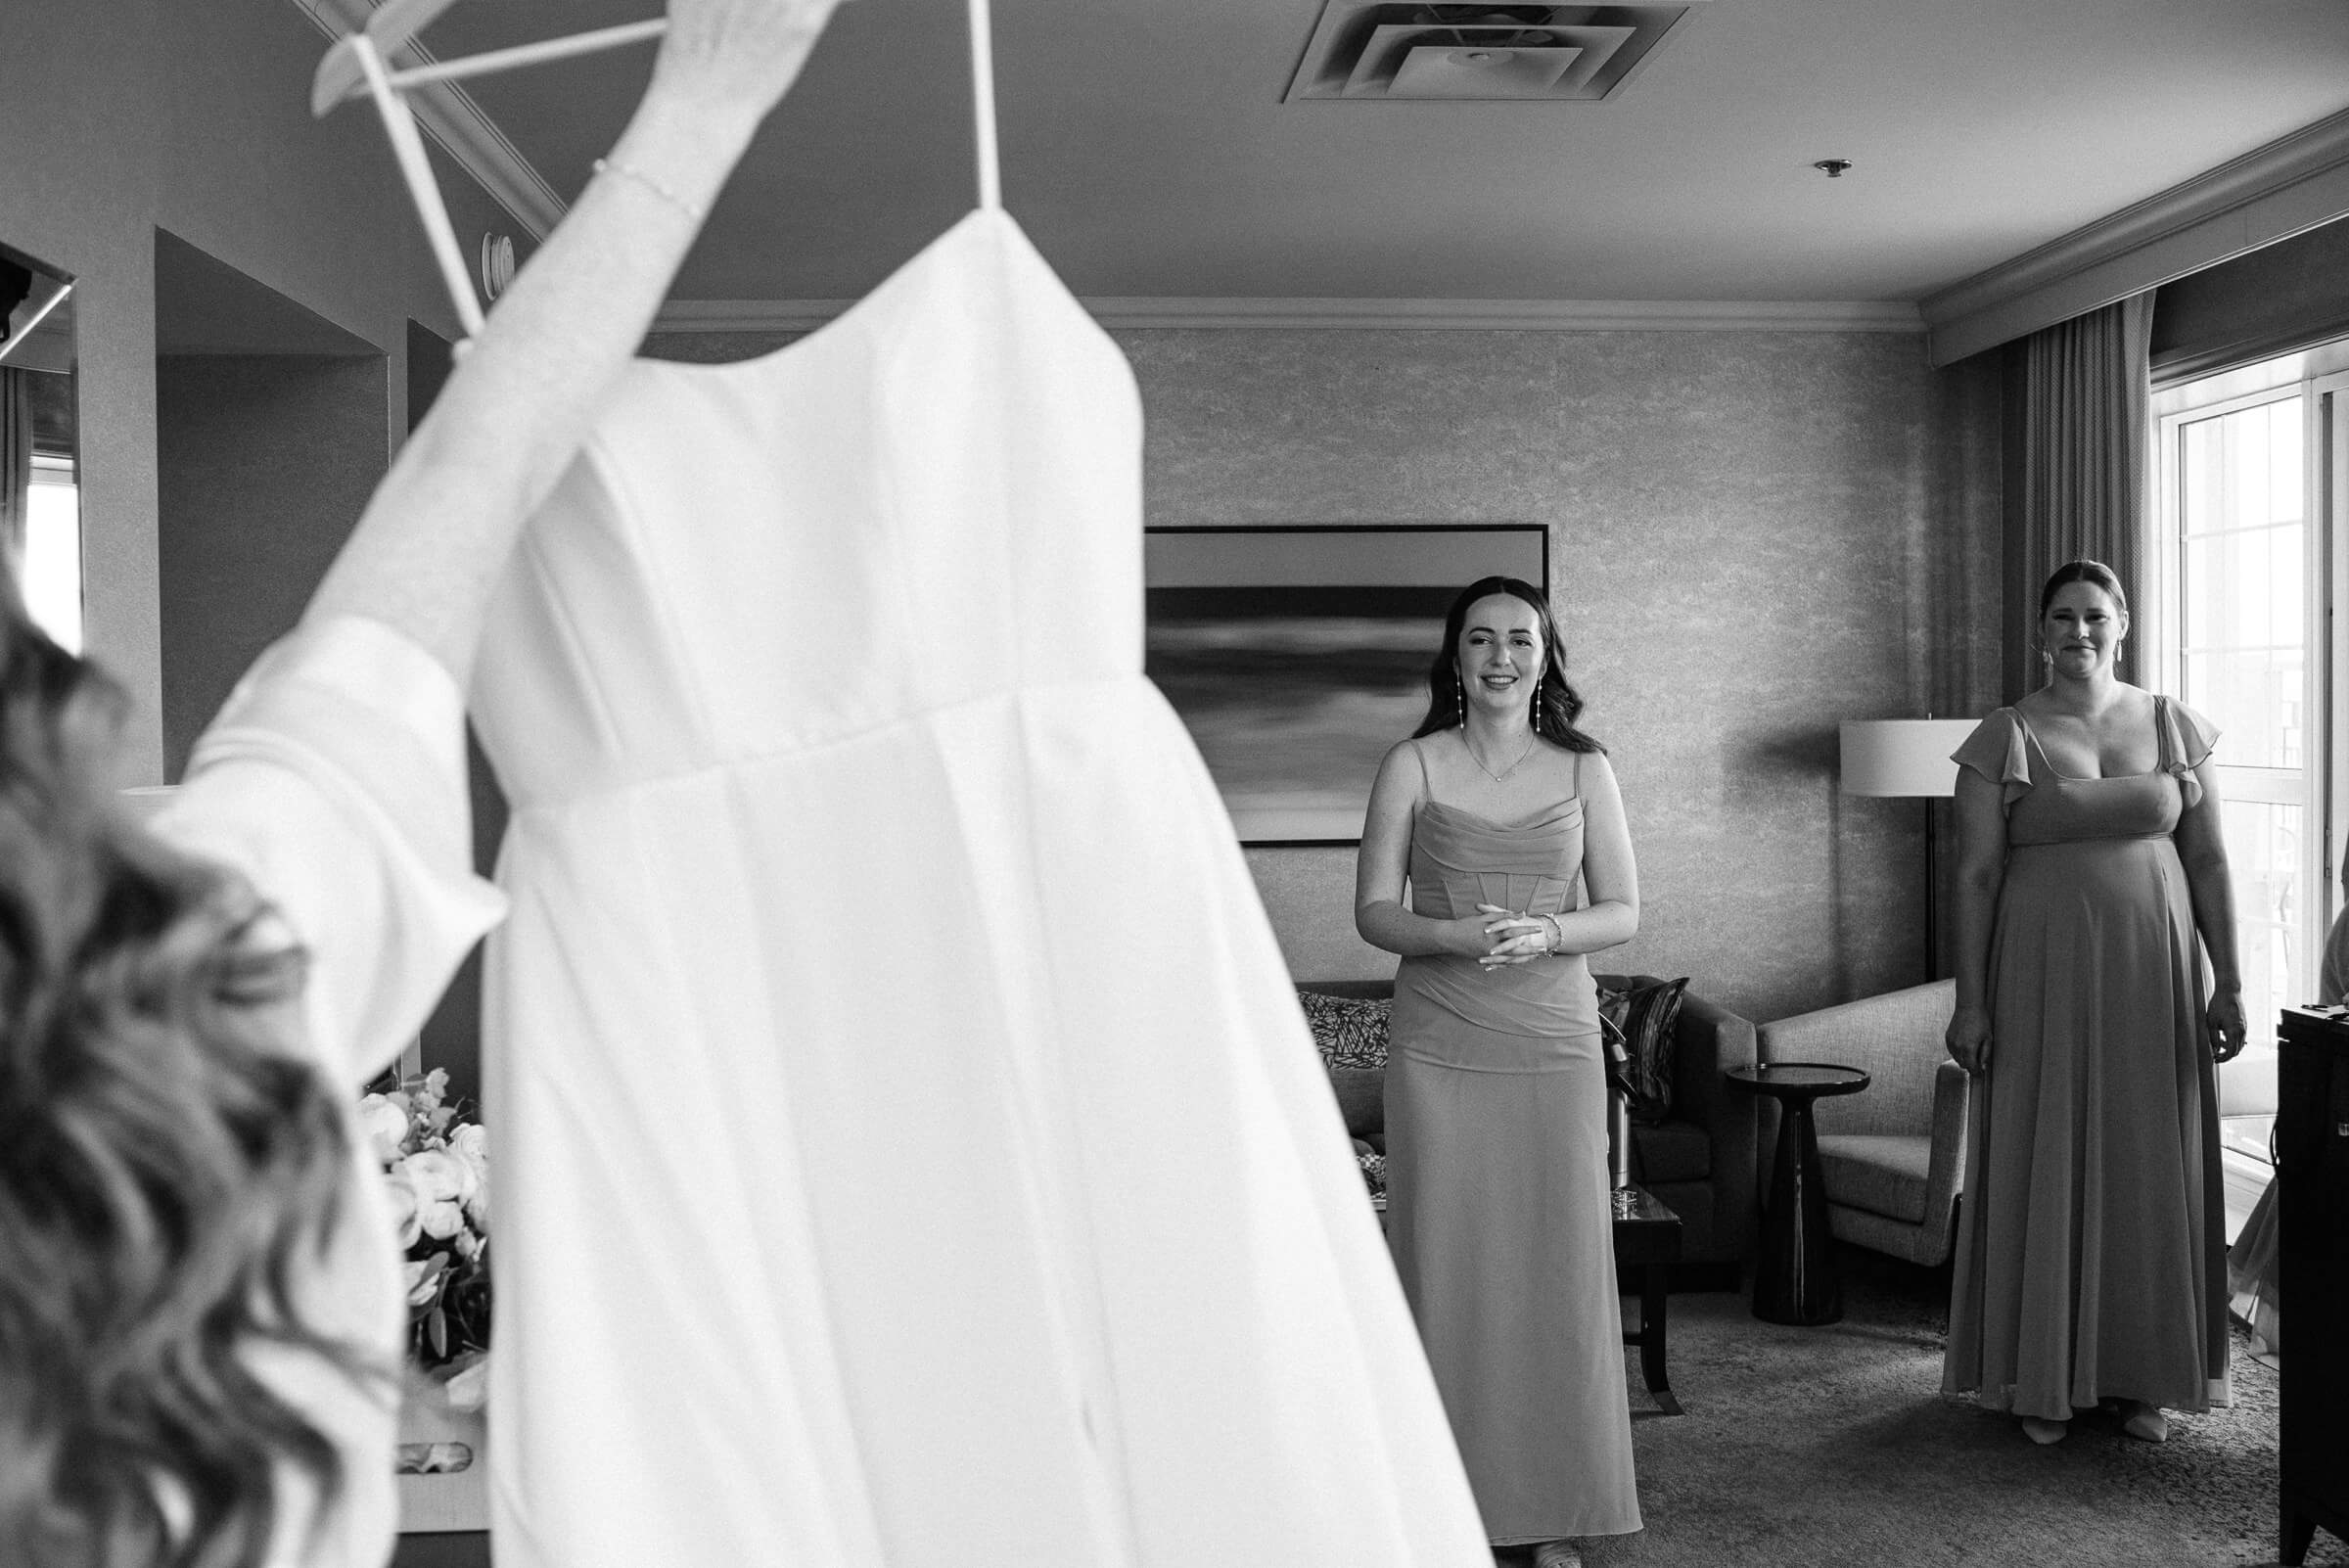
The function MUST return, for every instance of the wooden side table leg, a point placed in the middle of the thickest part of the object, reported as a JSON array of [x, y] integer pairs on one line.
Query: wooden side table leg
[[1794, 1266], [1654, 1308]]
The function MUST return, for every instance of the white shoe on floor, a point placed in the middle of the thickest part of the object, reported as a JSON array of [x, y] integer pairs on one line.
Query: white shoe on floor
[[1557, 1554], [2144, 1422], [2044, 1432]]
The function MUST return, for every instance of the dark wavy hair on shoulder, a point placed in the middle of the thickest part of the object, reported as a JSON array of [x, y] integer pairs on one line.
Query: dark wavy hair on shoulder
[[168, 1166], [1561, 704]]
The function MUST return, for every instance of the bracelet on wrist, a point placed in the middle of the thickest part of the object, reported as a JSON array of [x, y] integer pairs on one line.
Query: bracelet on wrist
[[613, 165]]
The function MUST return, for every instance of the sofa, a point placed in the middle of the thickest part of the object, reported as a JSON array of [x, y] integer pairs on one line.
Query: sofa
[[1699, 1159]]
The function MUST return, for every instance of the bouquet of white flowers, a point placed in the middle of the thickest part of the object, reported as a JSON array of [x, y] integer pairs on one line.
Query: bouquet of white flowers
[[436, 1160]]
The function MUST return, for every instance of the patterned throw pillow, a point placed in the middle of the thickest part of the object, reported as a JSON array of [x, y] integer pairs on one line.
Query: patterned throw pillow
[[1646, 1014], [1351, 1032], [1374, 1167]]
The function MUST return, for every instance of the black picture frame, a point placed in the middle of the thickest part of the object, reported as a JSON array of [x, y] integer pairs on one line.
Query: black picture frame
[[1297, 653]]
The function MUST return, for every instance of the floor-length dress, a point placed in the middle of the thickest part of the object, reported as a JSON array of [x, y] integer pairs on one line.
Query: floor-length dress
[[2091, 1258], [911, 1150], [1498, 1211]]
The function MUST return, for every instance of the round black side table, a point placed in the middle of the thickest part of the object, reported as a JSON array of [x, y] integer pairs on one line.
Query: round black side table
[[1794, 1266]]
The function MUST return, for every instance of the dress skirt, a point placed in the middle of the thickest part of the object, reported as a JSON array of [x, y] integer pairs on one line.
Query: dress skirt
[[2090, 1265], [1498, 1217]]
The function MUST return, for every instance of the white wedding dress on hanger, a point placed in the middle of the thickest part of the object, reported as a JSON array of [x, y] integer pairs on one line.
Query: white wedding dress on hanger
[[911, 1149]]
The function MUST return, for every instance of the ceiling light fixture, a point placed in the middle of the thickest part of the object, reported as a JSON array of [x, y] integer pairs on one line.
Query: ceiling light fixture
[[1833, 168]]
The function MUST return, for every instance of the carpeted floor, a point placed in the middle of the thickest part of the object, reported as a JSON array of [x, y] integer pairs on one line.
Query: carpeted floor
[[1821, 1448]]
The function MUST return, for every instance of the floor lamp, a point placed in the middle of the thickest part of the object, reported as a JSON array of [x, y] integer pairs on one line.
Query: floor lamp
[[1908, 756]]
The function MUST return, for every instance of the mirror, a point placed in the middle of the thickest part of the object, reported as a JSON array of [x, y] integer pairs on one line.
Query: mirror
[[40, 467]]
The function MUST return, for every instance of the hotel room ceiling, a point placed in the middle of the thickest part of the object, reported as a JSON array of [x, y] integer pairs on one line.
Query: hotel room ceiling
[[1148, 151]]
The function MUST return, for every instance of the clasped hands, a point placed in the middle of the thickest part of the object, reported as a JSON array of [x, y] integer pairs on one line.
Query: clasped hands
[[2224, 1030], [1511, 935]]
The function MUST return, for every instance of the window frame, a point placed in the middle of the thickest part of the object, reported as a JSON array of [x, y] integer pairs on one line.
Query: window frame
[[2319, 377]]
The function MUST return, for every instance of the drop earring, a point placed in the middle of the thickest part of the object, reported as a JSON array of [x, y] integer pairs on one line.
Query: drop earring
[[1537, 705], [1460, 696]]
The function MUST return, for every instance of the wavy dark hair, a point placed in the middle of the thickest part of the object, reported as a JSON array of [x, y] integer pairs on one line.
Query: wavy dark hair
[[2094, 573], [1561, 704], [168, 1165]]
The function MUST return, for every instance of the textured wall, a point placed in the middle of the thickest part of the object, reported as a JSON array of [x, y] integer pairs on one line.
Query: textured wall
[[262, 465], [1754, 535]]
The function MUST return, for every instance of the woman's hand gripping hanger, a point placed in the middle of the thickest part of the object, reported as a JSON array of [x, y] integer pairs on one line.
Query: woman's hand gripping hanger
[[360, 61]]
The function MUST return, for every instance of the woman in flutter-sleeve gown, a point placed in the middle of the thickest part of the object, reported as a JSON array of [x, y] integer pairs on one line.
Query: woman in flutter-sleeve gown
[[2090, 1261]]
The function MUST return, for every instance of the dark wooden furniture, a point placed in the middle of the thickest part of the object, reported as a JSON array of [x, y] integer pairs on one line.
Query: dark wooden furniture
[[1647, 1242], [2312, 1213], [1794, 1265], [1872, 1147]]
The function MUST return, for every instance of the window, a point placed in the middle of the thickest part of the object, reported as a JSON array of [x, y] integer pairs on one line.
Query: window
[[2242, 592], [52, 565]]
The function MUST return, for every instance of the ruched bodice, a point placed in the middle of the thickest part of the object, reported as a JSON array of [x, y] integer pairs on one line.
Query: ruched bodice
[[1460, 859], [2043, 807], [642, 631]]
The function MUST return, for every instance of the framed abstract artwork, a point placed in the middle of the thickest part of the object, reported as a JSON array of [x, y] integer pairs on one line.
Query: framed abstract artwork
[[1298, 654]]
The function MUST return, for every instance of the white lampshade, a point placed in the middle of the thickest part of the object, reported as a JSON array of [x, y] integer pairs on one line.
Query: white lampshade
[[1902, 755]]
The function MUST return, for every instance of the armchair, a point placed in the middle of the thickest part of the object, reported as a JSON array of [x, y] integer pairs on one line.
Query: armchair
[[1893, 1159]]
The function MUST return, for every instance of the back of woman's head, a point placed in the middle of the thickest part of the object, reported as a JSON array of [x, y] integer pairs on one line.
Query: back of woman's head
[[163, 1171]]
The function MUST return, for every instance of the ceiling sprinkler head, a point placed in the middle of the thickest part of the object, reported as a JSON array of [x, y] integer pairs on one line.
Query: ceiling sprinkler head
[[1833, 168]]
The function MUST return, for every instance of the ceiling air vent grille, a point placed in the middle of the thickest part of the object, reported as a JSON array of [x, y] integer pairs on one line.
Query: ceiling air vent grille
[[1374, 49]]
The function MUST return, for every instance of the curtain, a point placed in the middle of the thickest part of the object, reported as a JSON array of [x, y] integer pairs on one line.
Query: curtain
[[16, 460], [2084, 452]]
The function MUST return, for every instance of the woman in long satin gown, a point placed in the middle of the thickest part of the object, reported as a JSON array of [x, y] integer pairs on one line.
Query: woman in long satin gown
[[2090, 1265], [1496, 813]]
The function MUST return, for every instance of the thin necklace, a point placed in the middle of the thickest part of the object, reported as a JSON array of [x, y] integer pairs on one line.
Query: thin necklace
[[1480, 762]]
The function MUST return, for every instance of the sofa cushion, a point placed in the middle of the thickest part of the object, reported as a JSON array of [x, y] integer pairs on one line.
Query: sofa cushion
[[1349, 1032], [1882, 1173], [1671, 1151], [1362, 1100], [1644, 1016]]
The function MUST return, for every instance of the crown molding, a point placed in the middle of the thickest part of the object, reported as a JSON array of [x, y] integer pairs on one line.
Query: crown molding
[[1380, 316], [451, 118], [2292, 184]]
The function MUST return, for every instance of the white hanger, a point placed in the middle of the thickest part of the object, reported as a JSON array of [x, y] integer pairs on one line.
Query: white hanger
[[358, 63]]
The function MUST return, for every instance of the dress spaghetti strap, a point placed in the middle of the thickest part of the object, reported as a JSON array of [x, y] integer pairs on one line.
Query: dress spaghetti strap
[[1578, 775], [983, 105]]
